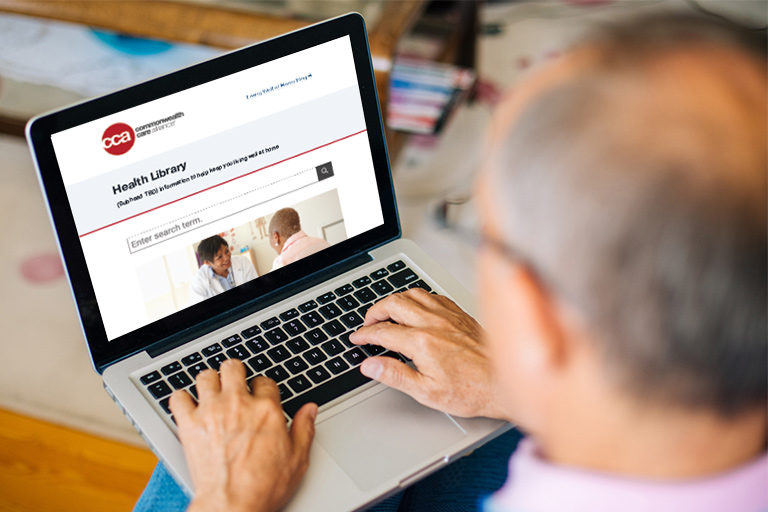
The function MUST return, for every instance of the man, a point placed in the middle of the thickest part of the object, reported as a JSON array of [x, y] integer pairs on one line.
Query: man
[[289, 241], [220, 270], [622, 279]]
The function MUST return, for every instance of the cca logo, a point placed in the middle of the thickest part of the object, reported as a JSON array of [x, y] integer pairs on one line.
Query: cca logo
[[118, 139]]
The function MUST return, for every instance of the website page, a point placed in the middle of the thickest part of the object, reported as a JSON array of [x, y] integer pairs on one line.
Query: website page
[[188, 196]]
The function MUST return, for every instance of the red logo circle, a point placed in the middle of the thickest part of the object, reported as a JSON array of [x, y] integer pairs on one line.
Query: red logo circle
[[118, 139]]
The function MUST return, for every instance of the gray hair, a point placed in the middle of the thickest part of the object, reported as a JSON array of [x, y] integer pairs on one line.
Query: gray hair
[[639, 216], [285, 222]]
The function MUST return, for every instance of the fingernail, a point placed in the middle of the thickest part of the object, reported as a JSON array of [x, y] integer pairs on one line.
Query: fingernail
[[313, 413], [372, 368]]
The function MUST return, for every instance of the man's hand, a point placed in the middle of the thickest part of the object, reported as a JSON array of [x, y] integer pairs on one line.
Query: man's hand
[[240, 453], [453, 373]]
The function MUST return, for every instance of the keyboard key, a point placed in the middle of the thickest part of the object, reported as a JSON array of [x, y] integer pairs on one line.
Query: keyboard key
[[297, 345], [277, 374], [351, 320], [365, 295], [251, 331], [191, 359], [312, 319], [159, 389], [231, 341], [170, 368], [329, 311], [193, 391], [325, 392], [299, 384], [215, 361], [333, 328], [403, 278], [362, 311], [289, 315], [359, 283], [347, 303], [278, 354], [165, 404], [344, 338], [179, 380], [296, 365], [276, 336], [260, 362], [154, 376], [336, 365], [315, 356], [318, 374], [270, 323], [248, 371], [394, 267], [238, 352], [326, 298], [420, 284], [343, 290], [285, 393], [374, 350], [333, 347], [354, 356], [213, 349], [382, 272], [382, 287], [395, 355], [257, 345], [196, 368], [294, 327], [307, 306], [314, 336]]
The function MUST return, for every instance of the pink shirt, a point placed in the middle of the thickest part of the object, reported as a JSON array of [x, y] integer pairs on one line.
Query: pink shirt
[[298, 246], [534, 485]]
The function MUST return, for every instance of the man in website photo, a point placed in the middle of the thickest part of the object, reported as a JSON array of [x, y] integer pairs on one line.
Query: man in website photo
[[289, 241], [221, 270], [622, 285]]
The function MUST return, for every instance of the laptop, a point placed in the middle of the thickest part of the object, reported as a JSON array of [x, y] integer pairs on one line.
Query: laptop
[[137, 179]]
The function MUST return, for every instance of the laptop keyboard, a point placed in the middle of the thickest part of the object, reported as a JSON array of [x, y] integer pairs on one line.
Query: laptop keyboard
[[305, 350]]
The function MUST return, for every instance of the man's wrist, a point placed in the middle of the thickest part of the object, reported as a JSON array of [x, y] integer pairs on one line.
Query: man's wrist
[[208, 504]]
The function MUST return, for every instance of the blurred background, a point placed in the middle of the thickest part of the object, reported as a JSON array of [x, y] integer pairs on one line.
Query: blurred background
[[441, 66]]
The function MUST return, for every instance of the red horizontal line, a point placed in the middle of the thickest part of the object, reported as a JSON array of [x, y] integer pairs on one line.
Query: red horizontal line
[[223, 183]]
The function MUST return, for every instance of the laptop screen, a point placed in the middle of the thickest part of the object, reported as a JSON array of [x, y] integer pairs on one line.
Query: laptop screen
[[189, 196]]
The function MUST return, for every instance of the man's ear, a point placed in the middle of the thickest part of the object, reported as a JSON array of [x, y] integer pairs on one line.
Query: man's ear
[[546, 345]]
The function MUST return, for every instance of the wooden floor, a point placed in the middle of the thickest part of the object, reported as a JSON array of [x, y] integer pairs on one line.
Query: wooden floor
[[45, 467]]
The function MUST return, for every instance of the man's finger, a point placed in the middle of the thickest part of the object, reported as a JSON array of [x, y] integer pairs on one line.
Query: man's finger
[[394, 374], [398, 307], [233, 376], [182, 405], [392, 336], [303, 431], [208, 384], [264, 387]]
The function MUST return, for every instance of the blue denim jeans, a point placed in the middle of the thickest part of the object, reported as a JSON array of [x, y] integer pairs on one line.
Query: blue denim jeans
[[459, 487]]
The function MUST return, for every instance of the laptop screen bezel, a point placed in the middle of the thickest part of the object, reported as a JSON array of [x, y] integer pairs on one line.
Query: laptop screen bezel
[[194, 320]]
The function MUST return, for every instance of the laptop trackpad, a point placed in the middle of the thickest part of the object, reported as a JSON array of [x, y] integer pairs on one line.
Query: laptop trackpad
[[384, 436]]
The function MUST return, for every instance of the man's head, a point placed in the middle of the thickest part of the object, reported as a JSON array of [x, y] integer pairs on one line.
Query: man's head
[[282, 226], [214, 252], [631, 176]]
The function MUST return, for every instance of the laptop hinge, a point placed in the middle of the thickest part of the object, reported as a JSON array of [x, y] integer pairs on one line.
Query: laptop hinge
[[256, 305]]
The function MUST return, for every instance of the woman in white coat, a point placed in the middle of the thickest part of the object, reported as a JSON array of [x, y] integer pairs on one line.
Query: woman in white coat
[[220, 271]]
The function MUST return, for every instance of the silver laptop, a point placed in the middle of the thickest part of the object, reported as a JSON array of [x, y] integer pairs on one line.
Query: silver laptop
[[135, 180]]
